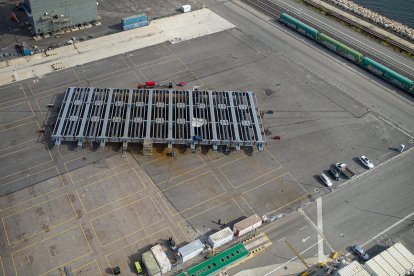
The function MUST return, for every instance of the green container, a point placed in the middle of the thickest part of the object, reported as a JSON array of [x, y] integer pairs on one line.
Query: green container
[[298, 25], [218, 262], [387, 74], [340, 48]]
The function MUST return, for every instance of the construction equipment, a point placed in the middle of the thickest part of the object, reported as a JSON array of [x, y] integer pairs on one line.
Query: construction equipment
[[212, 253], [299, 257]]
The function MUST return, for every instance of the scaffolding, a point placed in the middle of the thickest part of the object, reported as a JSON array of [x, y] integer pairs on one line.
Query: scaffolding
[[147, 116]]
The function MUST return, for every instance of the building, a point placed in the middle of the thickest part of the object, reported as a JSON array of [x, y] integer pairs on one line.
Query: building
[[53, 15]]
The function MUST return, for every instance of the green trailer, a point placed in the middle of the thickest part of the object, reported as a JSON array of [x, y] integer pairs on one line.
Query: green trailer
[[298, 25], [387, 74], [218, 262], [340, 48]]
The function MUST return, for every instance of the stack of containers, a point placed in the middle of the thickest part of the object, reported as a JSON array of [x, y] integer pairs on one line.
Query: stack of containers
[[134, 21], [151, 264], [161, 258], [191, 250], [221, 237], [247, 225]]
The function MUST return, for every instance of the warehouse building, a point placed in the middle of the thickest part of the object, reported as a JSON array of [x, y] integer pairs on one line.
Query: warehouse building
[[47, 16]]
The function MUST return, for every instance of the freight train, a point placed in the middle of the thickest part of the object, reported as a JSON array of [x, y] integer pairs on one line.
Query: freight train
[[349, 53]]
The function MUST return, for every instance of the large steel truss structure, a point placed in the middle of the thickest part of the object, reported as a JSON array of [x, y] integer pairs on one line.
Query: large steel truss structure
[[186, 117]]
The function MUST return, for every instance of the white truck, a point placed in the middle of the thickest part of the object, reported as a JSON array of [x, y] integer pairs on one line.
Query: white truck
[[345, 170]]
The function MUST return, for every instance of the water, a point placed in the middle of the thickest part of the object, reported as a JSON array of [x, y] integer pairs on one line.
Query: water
[[398, 10]]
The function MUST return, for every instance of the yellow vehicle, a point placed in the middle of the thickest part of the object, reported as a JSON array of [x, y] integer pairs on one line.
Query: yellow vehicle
[[138, 267]]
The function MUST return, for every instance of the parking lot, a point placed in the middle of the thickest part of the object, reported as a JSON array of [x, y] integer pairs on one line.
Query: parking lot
[[91, 209]]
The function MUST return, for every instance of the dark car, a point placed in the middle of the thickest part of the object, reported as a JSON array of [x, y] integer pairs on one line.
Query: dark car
[[336, 175], [360, 253]]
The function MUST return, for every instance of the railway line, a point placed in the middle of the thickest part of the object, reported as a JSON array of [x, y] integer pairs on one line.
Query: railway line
[[274, 10]]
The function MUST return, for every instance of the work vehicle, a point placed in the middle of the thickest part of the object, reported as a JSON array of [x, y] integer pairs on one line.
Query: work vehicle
[[349, 53], [335, 173], [325, 179], [171, 244], [138, 267], [360, 253], [343, 168], [366, 162]]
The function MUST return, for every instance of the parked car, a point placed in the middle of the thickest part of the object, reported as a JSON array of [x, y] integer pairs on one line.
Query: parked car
[[325, 179], [366, 162], [335, 173], [360, 253]]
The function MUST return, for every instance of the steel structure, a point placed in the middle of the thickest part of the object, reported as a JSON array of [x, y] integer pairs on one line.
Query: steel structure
[[186, 117]]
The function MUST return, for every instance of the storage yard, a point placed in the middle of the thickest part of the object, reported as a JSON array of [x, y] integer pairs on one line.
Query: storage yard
[[91, 205]]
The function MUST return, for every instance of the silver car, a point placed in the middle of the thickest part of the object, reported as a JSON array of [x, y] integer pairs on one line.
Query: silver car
[[325, 179], [360, 253]]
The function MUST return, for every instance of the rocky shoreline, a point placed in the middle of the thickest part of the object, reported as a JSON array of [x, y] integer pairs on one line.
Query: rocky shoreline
[[383, 21]]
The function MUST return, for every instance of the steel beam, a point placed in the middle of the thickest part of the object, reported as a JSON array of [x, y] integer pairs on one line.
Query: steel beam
[[127, 119], [191, 113], [149, 115], [260, 142], [105, 120], [170, 118], [213, 119], [234, 120], [58, 134], [80, 135]]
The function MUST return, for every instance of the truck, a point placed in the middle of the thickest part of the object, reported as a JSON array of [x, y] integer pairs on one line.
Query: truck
[[342, 167]]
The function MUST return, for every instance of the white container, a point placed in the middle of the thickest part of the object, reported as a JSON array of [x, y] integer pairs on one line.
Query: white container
[[191, 250], [186, 8], [247, 225], [161, 258], [221, 237]]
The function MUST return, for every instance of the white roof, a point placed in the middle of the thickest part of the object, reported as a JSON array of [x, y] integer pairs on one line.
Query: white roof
[[247, 222], [160, 256], [191, 248], [222, 234], [396, 260], [353, 269]]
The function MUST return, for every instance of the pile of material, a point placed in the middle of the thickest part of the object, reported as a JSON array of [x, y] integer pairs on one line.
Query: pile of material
[[376, 18]]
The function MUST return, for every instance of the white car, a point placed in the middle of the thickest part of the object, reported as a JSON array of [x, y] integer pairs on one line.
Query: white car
[[365, 161], [325, 179]]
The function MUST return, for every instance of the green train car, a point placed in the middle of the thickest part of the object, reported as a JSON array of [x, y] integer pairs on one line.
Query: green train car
[[298, 25], [387, 74], [340, 48]]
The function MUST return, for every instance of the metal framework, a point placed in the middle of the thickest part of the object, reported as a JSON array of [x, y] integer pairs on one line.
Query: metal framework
[[185, 117]]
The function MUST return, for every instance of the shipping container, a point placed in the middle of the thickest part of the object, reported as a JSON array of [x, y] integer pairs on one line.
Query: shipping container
[[191, 250], [161, 258], [387, 74], [340, 48], [186, 8], [134, 19], [135, 25], [352, 269], [298, 25], [247, 225], [221, 237], [151, 264]]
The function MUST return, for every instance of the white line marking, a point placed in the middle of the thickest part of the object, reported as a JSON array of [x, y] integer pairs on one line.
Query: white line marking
[[321, 256], [303, 227], [387, 229], [281, 239], [291, 259], [305, 239]]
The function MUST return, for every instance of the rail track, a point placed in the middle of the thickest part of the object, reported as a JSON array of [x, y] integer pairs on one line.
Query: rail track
[[273, 10]]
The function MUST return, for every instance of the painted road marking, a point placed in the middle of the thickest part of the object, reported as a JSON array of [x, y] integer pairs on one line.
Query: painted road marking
[[321, 256]]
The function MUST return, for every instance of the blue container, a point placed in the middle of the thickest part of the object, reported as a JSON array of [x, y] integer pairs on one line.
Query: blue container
[[27, 52], [135, 25], [134, 19]]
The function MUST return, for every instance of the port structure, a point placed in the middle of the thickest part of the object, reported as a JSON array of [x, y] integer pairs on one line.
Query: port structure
[[172, 117]]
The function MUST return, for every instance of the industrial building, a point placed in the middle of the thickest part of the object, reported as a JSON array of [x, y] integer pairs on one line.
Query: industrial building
[[48, 16], [147, 116]]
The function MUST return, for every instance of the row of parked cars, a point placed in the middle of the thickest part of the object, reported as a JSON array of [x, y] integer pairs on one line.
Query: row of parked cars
[[341, 169]]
